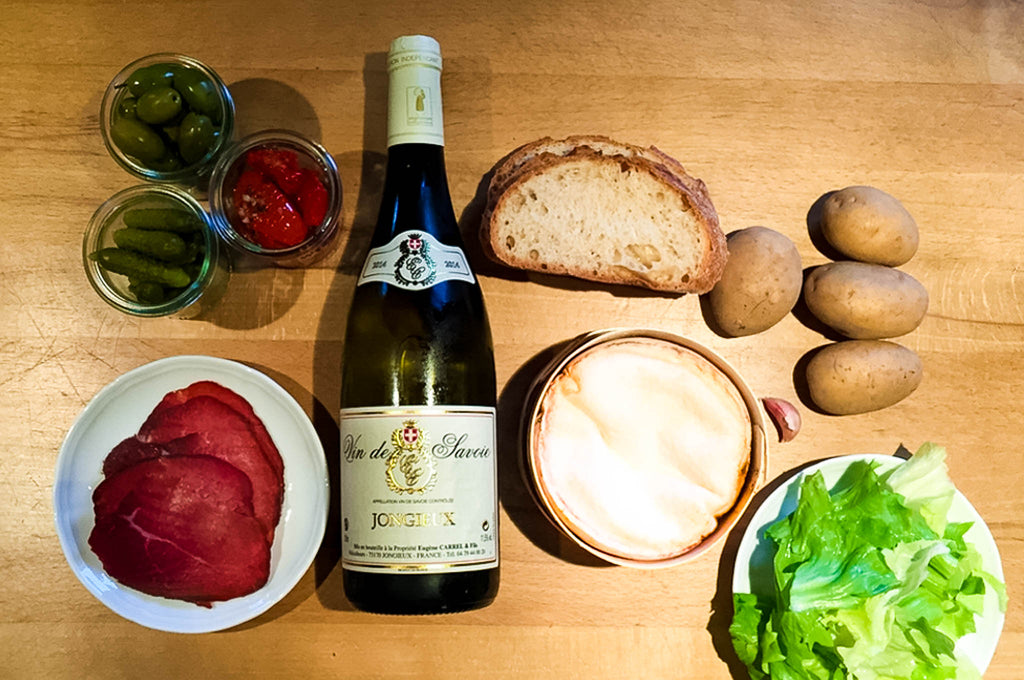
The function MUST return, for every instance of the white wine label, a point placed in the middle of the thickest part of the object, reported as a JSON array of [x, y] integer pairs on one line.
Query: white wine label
[[415, 260], [419, 489]]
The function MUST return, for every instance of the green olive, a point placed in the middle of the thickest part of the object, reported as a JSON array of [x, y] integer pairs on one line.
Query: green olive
[[195, 136], [137, 139], [169, 162], [149, 77], [175, 70], [158, 105], [126, 107], [199, 91]]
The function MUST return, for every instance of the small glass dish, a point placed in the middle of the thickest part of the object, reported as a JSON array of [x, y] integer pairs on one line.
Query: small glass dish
[[205, 262], [304, 156], [181, 149]]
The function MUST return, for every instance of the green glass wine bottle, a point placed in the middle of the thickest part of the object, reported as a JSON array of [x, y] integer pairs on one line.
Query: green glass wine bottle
[[419, 494]]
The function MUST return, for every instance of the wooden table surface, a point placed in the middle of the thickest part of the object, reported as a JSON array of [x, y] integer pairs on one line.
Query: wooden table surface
[[771, 104]]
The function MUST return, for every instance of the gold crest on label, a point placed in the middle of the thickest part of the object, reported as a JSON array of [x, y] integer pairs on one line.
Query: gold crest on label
[[410, 468]]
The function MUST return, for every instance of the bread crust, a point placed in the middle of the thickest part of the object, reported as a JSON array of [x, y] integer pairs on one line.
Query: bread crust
[[546, 154], [506, 171]]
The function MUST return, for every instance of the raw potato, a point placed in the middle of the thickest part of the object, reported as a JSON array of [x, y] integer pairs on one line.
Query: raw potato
[[760, 284], [869, 225], [857, 376], [865, 301]]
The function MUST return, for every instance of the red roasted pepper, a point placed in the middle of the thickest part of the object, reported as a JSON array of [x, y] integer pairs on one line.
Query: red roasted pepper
[[312, 199], [269, 218], [276, 200]]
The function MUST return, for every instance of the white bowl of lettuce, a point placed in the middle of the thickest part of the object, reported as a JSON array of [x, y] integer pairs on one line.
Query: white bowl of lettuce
[[868, 567]]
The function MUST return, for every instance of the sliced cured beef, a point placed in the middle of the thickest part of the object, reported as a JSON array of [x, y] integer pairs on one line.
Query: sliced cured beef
[[181, 527], [210, 388], [133, 450], [224, 434]]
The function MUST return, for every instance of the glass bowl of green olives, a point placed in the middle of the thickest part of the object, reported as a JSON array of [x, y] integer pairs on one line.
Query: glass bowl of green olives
[[166, 117], [150, 251]]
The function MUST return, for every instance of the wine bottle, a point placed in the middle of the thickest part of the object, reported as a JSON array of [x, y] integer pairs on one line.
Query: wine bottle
[[418, 451]]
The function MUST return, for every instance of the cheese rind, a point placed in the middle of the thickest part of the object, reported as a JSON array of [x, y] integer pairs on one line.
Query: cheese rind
[[641, 446]]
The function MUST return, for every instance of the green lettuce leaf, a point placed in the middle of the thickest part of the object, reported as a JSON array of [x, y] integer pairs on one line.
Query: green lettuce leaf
[[870, 581], [925, 485]]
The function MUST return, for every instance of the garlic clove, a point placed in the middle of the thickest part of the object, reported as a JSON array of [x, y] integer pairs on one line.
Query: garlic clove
[[785, 416]]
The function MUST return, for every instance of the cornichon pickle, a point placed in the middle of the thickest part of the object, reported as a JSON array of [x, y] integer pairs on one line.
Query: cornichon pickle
[[146, 78], [149, 292], [141, 267], [137, 139], [192, 254], [158, 105], [194, 269], [195, 136], [198, 91], [162, 245], [165, 219]]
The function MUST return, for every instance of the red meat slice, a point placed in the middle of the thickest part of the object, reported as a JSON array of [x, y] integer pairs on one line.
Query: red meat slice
[[210, 388], [181, 527], [221, 433], [133, 450]]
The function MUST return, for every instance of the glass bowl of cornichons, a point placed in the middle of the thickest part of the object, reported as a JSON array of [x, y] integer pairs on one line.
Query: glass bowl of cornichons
[[150, 251], [166, 118]]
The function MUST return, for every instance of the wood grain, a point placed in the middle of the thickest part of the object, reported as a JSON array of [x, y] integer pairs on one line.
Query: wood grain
[[772, 104]]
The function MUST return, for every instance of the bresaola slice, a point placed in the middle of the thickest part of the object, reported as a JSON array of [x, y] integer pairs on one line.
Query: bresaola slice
[[189, 505], [133, 450], [210, 388], [181, 527], [224, 434]]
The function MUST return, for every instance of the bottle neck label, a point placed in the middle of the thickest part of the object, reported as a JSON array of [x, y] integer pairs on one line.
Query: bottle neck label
[[414, 99], [415, 260]]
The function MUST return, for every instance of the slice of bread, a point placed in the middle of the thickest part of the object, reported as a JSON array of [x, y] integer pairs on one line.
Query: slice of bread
[[603, 211]]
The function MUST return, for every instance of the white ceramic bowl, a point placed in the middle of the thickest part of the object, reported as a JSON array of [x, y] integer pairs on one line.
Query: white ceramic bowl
[[115, 413]]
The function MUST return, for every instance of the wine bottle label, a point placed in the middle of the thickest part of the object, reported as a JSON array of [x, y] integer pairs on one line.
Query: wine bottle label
[[418, 489], [414, 92], [415, 260]]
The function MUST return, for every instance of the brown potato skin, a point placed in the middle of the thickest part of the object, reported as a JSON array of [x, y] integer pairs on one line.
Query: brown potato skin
[[868, 225], [760, 284], [865, 301], [858, 376]]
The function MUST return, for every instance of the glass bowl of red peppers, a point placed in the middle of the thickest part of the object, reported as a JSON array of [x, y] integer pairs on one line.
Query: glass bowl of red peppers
[[276, 195]]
